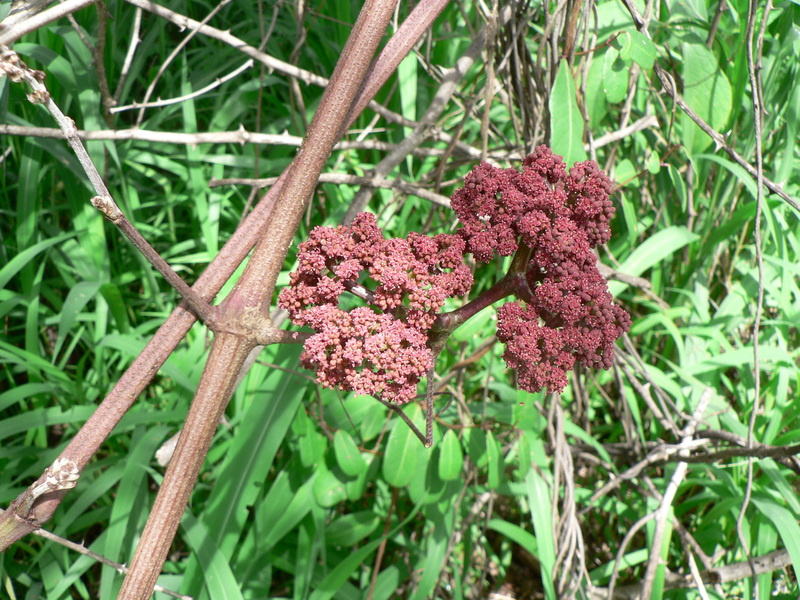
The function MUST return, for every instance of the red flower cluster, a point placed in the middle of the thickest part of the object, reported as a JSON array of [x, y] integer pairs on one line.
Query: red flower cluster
[[558, 217], [379, 349]]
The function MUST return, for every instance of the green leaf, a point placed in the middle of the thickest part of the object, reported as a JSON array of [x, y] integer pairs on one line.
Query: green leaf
[[77, 299], [400, 461], [348, 455], [539, 503], [329, 490], [475, 326], [495, 461], [282, 509], [351, 529], [217, 572], [615, 76], [785, 522], [451, 457], [515, 533], [653, 250], [25, 257], [566, 122], [353, 563], [626, 174], [637, 47], [259, 434], [707, 91]]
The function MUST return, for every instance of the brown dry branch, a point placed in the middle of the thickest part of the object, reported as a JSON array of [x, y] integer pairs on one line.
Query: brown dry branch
[[767, 563], [24, 22], [343, 178], [81, 549], [17, 71], [662, 512], [720, 140], [245, 312]]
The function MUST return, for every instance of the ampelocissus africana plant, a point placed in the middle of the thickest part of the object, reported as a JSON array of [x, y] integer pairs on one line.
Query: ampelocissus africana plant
[[547, 218]]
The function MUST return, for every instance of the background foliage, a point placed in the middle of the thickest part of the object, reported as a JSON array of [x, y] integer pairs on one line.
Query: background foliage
[[311, 494]]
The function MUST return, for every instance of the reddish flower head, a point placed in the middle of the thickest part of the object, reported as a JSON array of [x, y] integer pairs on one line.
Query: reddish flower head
[[380, 349], [557, 218]]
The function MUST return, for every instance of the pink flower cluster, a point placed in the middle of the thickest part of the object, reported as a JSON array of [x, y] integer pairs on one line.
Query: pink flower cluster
[[379, 349], [558, 217]]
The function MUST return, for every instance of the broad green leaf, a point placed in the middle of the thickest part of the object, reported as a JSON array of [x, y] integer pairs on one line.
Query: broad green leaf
[[494, 457], [282, 509], [538, 496], [351, 565], [707, 91], [615, 76], [476, 327], [637, 557], [77, 299], [596, 102], [785, 522], [515, 533], [637, 47], [566, 122], [475, 443], [348, 455], [626, 174], [451, 456], [400, 460], [329, 490], [25, 257], [426, 486], [434, 550], [217, 573], [653, 250], [350, 529]]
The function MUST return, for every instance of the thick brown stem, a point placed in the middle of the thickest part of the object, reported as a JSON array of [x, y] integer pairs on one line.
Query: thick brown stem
[[211, 398], [247, 307], [257, 283]]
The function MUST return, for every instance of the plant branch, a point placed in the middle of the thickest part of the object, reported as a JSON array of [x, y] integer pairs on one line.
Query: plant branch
[[343, 178], [247, 307], [81, 549], [213, 393], [12, 29], [720, 140], [18, 71]]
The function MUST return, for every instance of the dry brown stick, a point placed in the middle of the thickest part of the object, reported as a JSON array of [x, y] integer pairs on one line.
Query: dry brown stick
[[18, 71], [193, 31], [422, 129], [240, 136], [662, 512], [767, 563], [246, 309], [621, 551], [12, 29], [218, 81], [343, 178], [720, 140], [81, 549], [126, 65]]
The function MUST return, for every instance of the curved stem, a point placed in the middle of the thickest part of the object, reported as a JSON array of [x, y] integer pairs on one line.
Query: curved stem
[[513, 283]]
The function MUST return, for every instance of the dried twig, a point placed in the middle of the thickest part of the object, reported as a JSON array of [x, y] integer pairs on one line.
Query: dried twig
[[18, 71], [343, 178]]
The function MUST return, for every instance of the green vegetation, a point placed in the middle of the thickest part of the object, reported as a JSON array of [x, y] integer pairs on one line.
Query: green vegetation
[[308, 493]]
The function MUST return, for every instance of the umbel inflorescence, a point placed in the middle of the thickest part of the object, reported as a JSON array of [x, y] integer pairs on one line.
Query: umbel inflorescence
[[549, 219]]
